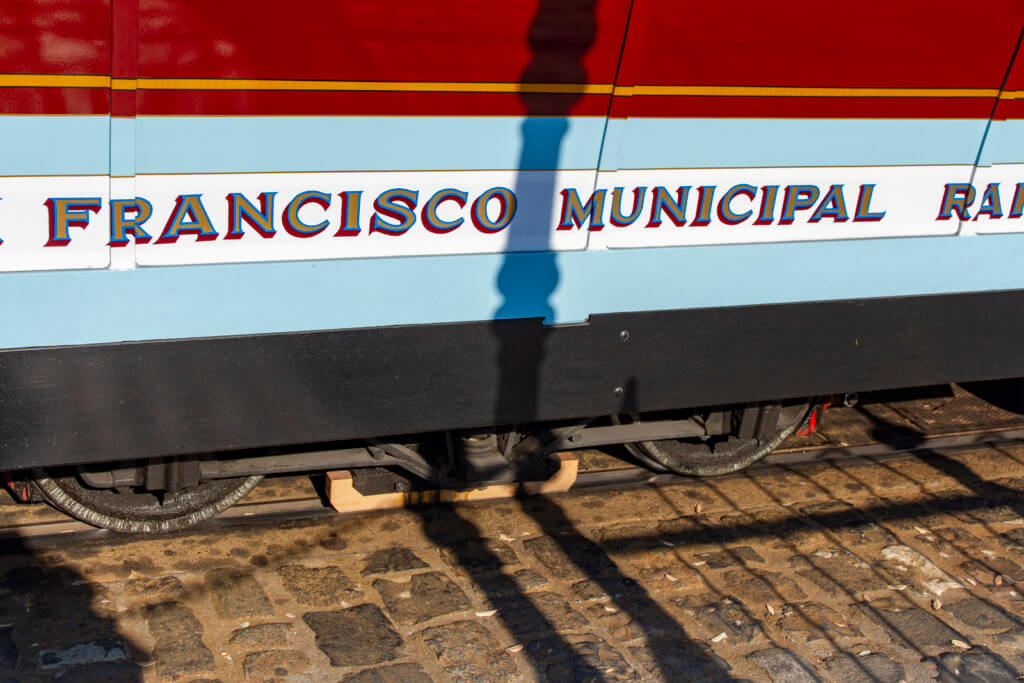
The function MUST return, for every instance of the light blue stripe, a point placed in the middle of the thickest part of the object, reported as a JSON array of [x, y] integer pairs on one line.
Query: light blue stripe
[[1004, 143], [190, 144], [83, 307], [122, 146], [611, 153], [79, 144], [710, 143], [54, 145]]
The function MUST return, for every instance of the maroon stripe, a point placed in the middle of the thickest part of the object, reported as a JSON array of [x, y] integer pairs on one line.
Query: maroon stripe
[[123, 102], [54, 101], [1009, 109], [312, 103], [804, 107]]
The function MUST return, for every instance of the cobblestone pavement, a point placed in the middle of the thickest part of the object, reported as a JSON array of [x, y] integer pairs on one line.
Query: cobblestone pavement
[[907, 568]]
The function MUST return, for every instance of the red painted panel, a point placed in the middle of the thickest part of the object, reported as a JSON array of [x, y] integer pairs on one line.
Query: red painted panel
[[906, 43], [390, 40], [1013, 108], [55, 36], [125, 26]]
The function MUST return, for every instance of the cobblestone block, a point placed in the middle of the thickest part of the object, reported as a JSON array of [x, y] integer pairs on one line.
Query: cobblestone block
[[495, 586], [630, 540], [784, 666], [1010, 642], [274, 664], [731, 557], [913, 626], [762, 588], [914, 568], [974, 511], [815, 620], [479, 556], [849, 524], [722, 615], [837, 570], [646, 557], [679, 659], [172, 620], [688, 532], [468, 652], [179, 649], [182, 657], [356, 636], [790, 488], [570, 556], [331, 541], [237, 594], [395, 559], [603, 590], [318, 586], [977, 665], [396, 673], [669, 579], [539, 612], [870, 668], [1010, 571], [422, 598], [141, 592], [582, 657], [264, 636], [612, 506], [957, 536], [981, 614], [1013, 540], [617, 622]]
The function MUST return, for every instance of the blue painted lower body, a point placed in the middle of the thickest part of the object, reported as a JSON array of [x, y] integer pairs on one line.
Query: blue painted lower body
[[88, 307], [68, 145]]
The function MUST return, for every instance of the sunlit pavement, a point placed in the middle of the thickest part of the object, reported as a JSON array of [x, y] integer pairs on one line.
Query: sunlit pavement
[[904, 568]]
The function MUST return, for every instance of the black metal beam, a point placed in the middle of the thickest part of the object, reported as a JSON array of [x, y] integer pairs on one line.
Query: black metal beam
[[137, 400]]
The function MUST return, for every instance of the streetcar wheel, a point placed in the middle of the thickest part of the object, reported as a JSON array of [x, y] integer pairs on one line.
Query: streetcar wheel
[[143, 512], [757, 431]]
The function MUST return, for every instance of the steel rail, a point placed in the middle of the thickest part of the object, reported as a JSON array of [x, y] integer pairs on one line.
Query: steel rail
[[314, 506]]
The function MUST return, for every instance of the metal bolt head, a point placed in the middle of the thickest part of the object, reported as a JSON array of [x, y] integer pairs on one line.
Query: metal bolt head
[[618, 391], [624, 335]]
